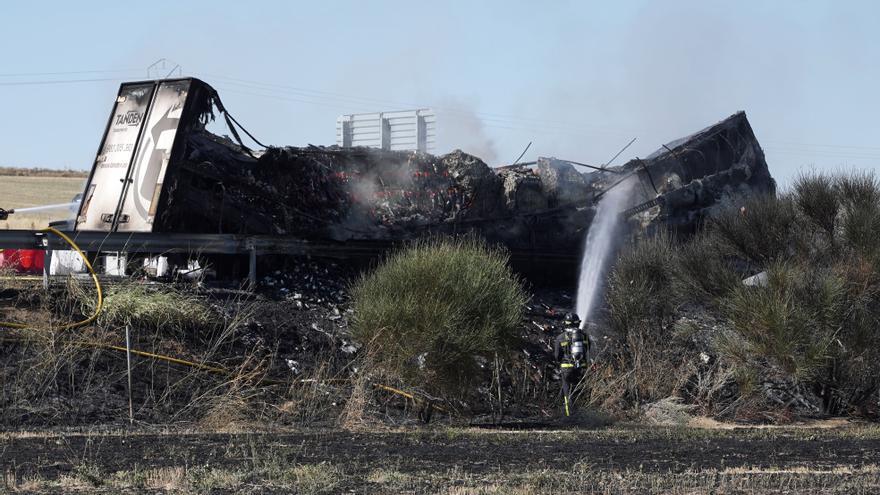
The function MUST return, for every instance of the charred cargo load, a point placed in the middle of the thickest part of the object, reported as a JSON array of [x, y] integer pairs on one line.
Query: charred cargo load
[[160, 170], [694, 176], [365, 194]]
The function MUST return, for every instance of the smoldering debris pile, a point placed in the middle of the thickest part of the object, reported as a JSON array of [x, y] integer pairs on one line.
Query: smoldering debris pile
[[341, 194], [303, 316]]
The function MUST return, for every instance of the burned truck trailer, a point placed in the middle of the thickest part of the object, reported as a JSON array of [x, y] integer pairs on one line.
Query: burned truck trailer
[[159, 170]]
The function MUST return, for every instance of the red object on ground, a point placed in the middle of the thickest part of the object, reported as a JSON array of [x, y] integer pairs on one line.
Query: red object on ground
[[23, 260]]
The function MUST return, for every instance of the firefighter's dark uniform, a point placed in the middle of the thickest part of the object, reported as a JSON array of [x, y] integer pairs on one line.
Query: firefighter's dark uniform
[[570, 371]]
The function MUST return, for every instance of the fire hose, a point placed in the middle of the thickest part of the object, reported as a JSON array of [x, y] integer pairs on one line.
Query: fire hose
[[99, 307], [100, 297], [159, 357]]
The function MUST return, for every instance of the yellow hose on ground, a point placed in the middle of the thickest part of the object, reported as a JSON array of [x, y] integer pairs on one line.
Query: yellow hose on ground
[[406, 395], [100, 303]]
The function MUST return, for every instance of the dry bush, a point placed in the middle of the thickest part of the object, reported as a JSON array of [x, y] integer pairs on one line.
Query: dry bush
[[63, 376], [811, 329], [70, 376], [645, 292], [314, 395], [354, 415], [357, 413], [42, 366]]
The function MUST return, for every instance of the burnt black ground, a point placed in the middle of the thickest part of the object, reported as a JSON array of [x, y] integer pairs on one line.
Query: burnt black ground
[[657, 450]]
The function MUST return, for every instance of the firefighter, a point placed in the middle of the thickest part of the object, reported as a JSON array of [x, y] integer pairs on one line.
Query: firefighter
[[570, 351]]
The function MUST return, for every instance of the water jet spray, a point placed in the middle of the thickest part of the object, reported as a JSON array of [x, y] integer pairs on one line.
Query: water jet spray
[[599, 245], [4, 214]]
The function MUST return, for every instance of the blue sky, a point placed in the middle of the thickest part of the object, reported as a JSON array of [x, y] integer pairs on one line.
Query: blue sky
[[579, 79]]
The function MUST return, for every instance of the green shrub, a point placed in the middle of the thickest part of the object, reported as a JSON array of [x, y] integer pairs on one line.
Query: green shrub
[[762, 232], [817, 197], [858, 189], [704, 269], [860, 198], [814, 324], [430, 309], [642, 286], [790, 322]]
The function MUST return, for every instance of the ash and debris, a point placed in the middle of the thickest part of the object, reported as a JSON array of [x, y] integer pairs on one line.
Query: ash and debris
[[695, 176], [302, 314]]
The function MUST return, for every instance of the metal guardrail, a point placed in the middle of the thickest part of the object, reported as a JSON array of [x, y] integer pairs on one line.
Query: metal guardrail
[[155, 243], [251, 245], [166, 243]]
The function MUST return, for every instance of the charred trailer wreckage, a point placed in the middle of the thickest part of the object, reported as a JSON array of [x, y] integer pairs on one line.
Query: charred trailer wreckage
[[162, 183], [159, 171]]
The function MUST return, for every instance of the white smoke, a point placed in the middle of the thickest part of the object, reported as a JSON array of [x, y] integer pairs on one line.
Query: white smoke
[[600, 244], [459, 127]]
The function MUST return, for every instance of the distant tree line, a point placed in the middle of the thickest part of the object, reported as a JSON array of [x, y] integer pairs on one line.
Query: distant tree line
[[42, 172]]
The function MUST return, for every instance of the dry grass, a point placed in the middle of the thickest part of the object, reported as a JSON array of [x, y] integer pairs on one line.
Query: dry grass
[[255, 466], [163, 308], [42, 364], [268, 472], [326, 478], [21, 192]]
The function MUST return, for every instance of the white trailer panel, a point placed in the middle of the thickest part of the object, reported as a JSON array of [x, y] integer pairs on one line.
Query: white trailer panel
[[105, 187], [154, 152]]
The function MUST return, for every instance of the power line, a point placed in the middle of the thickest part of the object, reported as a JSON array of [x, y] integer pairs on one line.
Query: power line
[[30, 74], [62, 81], [346, 103], [819, 154], [785, 143], [339, 105], [503, 119], [497, 121]]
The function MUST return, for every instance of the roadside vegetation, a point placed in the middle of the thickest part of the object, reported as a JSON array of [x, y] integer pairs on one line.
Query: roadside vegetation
[[800, 339], [53, 375], [434, 313]]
